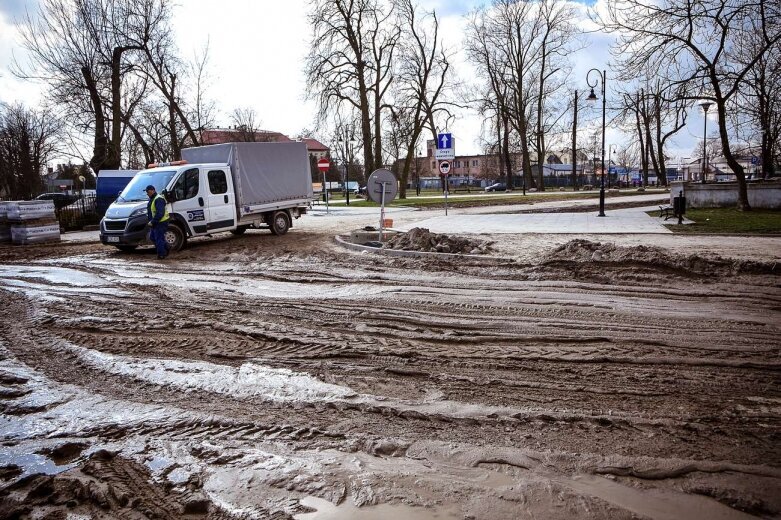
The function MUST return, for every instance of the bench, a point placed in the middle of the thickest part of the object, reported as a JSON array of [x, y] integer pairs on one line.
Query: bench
[[667, 212]]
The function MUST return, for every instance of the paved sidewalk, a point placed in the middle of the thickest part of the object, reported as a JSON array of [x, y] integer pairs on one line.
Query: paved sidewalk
[[488, 219], [619, 221]]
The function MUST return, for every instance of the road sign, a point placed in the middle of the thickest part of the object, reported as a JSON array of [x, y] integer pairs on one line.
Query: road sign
[[447, 154], [323, 164], [444, 141], [378, 179], [754, 160], [444, 167]]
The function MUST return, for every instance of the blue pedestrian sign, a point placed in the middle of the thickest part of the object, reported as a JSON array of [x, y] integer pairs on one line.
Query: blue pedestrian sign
[[445, 148]]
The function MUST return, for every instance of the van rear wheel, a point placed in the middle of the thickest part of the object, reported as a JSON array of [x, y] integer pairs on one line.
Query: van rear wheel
[[280, 223], [175, 238]]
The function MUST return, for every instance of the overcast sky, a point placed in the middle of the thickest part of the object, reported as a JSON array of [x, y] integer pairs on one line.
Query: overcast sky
[[257, 50]]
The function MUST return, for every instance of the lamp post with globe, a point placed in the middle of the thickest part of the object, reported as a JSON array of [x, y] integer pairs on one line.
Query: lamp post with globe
[[705, 106], [592, 98]]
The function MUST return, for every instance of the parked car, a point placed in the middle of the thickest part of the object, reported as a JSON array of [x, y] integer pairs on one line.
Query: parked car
[[84, 205], [497, 186], [360, 191], [60, 199]]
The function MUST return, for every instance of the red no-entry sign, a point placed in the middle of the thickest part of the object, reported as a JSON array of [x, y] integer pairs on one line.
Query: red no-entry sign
[[323, 165]]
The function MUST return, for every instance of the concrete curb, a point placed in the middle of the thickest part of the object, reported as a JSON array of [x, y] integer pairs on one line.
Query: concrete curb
[[421, 254]]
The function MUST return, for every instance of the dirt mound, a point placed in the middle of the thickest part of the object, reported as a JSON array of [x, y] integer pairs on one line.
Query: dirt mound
[[104, 486], [586, 251], [421, 239]]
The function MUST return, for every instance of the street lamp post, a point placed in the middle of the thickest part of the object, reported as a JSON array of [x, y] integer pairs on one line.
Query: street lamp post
[[705, 105], [347, 138], [601, 79]]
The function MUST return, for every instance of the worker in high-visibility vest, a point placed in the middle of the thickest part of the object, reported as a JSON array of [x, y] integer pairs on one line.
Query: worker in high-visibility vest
[[157, 213]]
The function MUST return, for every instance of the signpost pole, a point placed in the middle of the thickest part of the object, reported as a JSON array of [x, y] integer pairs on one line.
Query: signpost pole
[[382, 211], [382, 184], [323, 165], [325, 194], [447, 189]]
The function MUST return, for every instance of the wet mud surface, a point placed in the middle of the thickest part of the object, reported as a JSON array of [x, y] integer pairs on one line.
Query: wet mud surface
[[285, 377]]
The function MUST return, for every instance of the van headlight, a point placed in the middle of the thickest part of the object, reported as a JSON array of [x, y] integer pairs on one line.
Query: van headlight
[[138, 212]]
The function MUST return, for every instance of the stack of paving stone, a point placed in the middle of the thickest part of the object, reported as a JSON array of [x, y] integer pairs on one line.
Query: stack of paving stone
[[5, 229], [33, 222]]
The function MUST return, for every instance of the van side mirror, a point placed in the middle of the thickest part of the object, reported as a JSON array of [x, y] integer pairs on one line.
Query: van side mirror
[[169, 196]]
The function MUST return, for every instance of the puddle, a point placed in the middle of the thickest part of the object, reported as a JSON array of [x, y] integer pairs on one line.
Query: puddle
[[248, 380], [656, 504], [251, 287], [325, 510], [53, 275], [31, 463], [40, 282]]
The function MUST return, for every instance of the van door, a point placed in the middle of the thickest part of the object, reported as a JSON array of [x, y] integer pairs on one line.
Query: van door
[[221, 201], [188, 201]]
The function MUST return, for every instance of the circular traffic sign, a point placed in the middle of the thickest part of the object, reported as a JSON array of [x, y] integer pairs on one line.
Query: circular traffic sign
[[377, 179], [444, 167], [323, 164]]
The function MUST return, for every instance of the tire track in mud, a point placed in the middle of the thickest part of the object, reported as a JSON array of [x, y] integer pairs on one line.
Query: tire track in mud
[[659, 370], [276, 343]]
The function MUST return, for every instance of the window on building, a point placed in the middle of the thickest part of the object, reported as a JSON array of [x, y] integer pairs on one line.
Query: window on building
[[474, 162]]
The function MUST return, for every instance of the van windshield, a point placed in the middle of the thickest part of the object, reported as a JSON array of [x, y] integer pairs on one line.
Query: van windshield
[[136, 190]]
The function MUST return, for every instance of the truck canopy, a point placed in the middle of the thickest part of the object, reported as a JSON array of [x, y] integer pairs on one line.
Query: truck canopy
[[263, 172]]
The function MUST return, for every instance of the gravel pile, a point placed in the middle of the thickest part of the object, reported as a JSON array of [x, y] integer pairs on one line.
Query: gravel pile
[[421, 239]]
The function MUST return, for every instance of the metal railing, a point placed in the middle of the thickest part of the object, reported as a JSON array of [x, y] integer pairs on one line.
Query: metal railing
[[82, 212]]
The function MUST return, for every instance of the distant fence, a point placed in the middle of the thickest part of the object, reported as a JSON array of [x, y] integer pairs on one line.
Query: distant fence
[[83, 212]]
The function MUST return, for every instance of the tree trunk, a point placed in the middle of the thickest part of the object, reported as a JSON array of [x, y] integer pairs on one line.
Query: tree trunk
[[101, 142], [506, 152], [641, 140], [540, 126], [659, 142], [575, 146], [526, 158], [176, 153], [734, 165]]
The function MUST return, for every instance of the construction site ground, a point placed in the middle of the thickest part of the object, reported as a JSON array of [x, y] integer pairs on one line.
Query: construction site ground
[[581, 376]]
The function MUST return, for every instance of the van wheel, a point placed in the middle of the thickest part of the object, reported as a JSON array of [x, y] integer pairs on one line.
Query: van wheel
[[175, 238], [280, 223], [239, 230]]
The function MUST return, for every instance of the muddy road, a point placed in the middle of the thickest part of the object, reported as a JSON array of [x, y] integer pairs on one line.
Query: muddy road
[[286, 377]]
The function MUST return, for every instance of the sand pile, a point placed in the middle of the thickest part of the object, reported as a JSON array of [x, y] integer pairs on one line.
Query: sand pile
[[421, 239], [586, 251]]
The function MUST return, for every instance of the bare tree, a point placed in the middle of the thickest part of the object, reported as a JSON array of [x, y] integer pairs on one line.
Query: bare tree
[[693, 47], [519, 48], [626, 157], [164, 68], [484, 43], [81, 49], [422, 85], [350, 62], [247, 125], [203, 108], [28, 139], [556, 38], [760, 101]]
